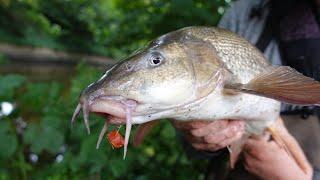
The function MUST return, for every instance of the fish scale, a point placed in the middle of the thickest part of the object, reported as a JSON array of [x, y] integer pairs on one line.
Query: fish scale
[[245, 62], [241, 58]]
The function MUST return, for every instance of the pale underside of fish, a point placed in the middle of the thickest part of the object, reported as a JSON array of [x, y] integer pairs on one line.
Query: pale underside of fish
[[197, 73]]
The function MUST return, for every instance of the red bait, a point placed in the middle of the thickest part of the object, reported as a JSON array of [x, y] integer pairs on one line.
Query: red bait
[[115, 139]]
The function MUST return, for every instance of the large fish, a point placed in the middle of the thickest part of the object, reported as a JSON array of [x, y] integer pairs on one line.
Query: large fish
[[196, 73]]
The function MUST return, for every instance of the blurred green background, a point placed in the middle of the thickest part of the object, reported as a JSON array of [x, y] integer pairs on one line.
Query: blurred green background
[[36, 139]]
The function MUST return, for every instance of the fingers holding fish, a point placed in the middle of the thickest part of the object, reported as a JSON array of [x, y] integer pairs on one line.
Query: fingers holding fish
[[225, 142], [219, 134], [268, 161], [255, 148], [206, 147], [193, 139], [215, 142], [181, 125], [219, 129], [211, 136], [210, 128], [231, 130]]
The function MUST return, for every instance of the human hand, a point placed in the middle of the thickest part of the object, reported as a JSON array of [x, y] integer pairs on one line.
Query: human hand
[[267, 160], [210, 135]]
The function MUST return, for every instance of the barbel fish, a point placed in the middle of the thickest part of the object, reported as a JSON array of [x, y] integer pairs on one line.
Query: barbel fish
[[196, 73]]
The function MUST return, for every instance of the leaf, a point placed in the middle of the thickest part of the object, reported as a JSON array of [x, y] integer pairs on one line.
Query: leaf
[[31, 133], [168, 132], [9, 140], [54, 139], [4, 127], [43, 138], [55, 122], [118, 168], [8, 85], [35, 96], [8, 145], [97, 159]]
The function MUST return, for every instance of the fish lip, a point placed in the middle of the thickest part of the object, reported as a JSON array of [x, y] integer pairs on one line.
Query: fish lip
[[101, 105], [120, 107], [114, 106]]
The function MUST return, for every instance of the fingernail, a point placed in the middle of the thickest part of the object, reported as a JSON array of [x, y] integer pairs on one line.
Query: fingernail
[[195, 132]]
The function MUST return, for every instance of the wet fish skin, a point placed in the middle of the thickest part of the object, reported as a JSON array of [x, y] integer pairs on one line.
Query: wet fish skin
[[198, 73], [196, 65]]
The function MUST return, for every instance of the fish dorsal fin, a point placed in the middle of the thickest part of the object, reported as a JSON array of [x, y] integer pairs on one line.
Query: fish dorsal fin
[[284, 84]]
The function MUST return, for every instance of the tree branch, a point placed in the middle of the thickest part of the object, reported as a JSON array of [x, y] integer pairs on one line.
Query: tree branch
[[27, 54]]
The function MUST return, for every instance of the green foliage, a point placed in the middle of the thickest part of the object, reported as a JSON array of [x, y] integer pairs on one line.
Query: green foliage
[[8, 84], [10, 145], [113, 27], [43, 137]]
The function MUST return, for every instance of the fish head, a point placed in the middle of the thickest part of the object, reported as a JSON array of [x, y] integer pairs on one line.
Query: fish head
[[173, 70]]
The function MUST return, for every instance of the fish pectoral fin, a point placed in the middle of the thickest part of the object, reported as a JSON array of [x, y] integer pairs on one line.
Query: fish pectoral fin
[[142, 131], [284, 84], [235, 150], [288, 143]]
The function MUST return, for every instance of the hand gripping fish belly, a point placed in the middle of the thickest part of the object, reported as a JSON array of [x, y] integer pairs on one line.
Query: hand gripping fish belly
[[197, 73]]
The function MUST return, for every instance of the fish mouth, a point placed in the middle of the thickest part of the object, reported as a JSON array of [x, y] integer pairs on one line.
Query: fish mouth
[[118, 109], [113, 107], [113, 110]]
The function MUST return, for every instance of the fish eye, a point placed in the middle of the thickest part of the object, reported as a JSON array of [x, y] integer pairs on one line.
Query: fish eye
[[155, 59]]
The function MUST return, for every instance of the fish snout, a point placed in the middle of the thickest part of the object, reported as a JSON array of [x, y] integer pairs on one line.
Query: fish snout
[[86, 98], [94, 99]]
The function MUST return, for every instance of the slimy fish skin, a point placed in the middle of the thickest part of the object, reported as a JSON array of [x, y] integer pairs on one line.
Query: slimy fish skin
[[196, 73]]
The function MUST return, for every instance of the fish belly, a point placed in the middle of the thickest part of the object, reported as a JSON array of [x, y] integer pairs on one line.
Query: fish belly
[[258, 112]]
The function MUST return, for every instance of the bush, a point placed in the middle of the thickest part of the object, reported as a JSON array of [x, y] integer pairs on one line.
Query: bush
[[113, 27]]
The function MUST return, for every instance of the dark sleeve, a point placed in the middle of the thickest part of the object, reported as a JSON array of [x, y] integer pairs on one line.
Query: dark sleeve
[[316, 174], [193, 153]]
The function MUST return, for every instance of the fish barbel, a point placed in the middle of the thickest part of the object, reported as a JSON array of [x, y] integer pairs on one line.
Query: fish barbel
[[196, 73]]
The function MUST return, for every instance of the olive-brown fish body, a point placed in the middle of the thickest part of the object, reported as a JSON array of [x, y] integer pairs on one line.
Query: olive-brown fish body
[[199, 73], [208, 58]]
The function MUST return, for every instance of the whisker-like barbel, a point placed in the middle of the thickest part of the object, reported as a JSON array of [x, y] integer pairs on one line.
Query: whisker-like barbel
[[75, 114], [128, 130], [85, 112], [102, 133]]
